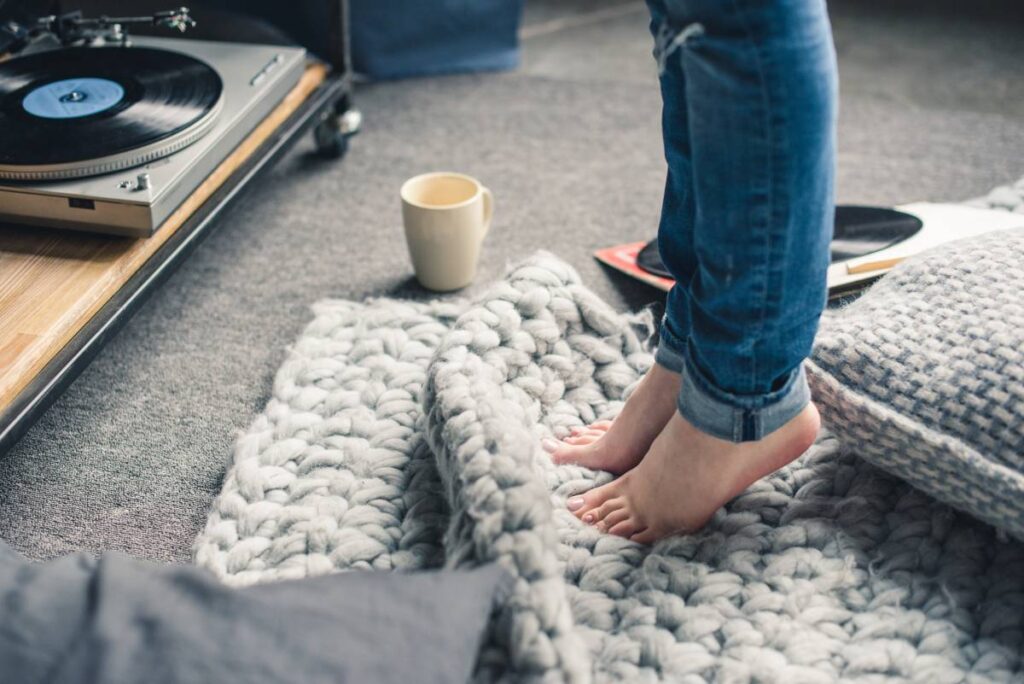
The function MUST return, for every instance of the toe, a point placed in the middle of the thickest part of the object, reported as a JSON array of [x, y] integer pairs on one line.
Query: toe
[[646, 535], [617, 516], [626, 528], [599, 514], [571, 453], [581, 436], [583, 451], [601, 425], [608, 507], [587, 503]]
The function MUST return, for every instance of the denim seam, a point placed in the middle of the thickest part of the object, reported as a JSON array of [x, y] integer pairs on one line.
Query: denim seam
[[758, 60]]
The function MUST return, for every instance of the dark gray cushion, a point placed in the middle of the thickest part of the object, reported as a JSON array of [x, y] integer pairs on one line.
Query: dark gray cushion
[[119, 620], [924, 375]]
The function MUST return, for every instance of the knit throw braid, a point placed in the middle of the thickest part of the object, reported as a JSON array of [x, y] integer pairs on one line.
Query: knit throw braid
[[407, 435]]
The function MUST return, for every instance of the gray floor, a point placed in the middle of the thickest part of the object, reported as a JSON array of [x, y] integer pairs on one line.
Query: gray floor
[[130, 457]]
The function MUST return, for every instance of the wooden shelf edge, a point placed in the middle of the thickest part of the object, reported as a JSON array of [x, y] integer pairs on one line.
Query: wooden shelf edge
[[20, 364]]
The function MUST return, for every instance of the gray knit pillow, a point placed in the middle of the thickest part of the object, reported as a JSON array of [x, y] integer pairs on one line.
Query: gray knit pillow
[[924, 375]]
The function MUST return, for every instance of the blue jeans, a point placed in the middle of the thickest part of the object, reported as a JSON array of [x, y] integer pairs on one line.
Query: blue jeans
[[749, 90]]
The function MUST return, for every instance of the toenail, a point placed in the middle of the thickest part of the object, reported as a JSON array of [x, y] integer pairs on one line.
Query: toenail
[[588, 518], [549, 445], [575, 503]]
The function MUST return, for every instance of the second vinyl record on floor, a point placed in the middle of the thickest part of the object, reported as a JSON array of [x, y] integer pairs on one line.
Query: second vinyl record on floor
[[858, 231]]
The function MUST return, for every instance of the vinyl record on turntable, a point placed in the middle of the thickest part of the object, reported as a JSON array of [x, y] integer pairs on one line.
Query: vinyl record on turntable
[[77, 112], [858, 231]]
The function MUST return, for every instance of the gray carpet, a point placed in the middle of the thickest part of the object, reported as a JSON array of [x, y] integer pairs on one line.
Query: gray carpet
[[132, 455], [945, 54]]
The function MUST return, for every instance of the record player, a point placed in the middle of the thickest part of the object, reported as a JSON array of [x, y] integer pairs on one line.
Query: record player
[[112, 138], [148, 137]]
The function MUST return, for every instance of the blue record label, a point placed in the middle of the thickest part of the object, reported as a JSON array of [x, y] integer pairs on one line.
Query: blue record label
[[73, 98]]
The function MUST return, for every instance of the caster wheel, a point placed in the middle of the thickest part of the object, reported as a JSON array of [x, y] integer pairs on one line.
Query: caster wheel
[[330, 142], [333, 132]]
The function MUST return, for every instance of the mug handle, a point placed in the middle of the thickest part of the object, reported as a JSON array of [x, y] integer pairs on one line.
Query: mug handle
[[488, 207]]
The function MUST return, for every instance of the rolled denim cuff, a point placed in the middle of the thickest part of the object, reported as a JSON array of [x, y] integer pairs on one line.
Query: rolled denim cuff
[[731, 417], [671, 348], [668, 357]]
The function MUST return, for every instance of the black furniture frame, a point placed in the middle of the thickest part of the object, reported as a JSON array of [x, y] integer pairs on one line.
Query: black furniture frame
[[325, 109]]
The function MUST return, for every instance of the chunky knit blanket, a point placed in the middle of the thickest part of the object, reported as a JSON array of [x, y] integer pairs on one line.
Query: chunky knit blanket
[[405, 435]]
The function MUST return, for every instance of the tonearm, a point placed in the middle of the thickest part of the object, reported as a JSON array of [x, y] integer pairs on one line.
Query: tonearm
[[74, 29]]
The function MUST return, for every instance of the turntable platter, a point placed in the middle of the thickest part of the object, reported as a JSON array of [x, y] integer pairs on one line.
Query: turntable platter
[[83, 111]]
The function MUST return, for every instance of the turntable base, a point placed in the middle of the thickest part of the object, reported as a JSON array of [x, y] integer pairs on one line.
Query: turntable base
[[63, 293]]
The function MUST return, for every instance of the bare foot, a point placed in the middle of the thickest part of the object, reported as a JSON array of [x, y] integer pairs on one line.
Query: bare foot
[[617, 446], [686, 476]]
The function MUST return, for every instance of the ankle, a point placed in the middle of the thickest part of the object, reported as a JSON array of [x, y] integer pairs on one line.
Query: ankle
[[805, 426]]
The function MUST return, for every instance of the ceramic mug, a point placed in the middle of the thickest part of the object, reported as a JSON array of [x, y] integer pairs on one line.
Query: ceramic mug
[[446, 217]]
